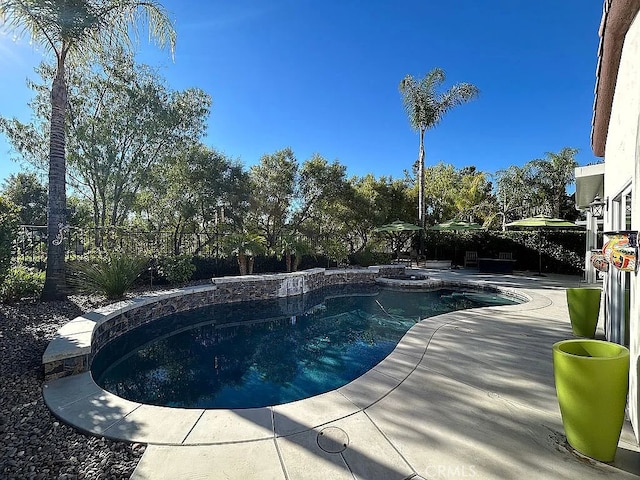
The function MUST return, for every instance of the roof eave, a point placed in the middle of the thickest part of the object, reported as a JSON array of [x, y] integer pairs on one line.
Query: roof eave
[[617, 17]]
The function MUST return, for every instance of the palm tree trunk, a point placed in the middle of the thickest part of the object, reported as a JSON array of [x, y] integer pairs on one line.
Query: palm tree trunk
[[421, 219], [558, 201], [54, 284], [242, 263]]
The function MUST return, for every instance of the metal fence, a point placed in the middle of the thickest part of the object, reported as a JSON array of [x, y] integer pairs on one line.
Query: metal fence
[[30, 245]]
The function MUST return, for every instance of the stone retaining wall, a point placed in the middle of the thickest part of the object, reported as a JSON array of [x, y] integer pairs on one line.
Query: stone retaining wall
[[75, 344]]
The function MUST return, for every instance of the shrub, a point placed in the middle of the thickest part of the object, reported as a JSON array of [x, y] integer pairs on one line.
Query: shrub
[[21, 282], [111, 276], [336, 251], [208, 267], [177, 269], [562, 250], [366, 258], [269, 264], [8, 229]]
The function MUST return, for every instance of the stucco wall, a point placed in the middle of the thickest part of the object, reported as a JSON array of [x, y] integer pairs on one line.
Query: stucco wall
[[620, 153], [622, 159]]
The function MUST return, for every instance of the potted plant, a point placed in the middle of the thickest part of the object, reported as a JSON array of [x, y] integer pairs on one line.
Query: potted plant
[[584, 309], [592, 381]]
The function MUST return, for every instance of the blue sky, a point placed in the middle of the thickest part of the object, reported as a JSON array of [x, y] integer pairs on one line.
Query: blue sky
[[322, 77]]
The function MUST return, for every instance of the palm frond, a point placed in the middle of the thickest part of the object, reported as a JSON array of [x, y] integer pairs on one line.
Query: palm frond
[[458, 94], [433, 80], [24, 18], [124, 18], [424, 105], [84, 28]]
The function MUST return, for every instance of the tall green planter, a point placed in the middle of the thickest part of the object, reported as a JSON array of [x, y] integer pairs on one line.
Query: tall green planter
[[584, 308], [592, 381]]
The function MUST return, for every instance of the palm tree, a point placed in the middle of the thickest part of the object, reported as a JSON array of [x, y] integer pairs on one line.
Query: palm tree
[[293, 249], [246, 246], [426, 107], [75, 30], [554, 174]]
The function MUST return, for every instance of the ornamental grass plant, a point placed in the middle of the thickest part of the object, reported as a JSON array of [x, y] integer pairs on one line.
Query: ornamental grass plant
[[112, 275]]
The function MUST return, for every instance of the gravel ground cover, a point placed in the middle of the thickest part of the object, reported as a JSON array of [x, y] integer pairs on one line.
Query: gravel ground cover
[[33, 443]]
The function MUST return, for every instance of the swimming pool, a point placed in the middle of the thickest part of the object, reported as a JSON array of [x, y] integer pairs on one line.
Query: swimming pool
[[255, 354]]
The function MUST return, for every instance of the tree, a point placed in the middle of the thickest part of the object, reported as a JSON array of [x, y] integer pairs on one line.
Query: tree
[[514, 192], [123, 122], [440, 184], [27, 192], [473, 199], [124, 125], [201, 190], [319, 182], [553, 174], [349, 215], [451, 193], [273, 187], [80, 212], [384, 199], [74, 30], [425, 108]]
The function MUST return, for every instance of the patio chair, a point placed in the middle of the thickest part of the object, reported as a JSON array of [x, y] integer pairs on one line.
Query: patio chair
[[470, 258]]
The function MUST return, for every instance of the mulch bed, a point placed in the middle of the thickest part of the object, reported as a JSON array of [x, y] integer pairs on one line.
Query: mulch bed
[[33, 443]]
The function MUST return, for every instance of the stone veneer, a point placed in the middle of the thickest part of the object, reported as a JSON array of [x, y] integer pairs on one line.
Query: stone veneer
[[75, 344]]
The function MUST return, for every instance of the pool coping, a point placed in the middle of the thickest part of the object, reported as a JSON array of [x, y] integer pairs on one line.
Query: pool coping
[[80, 402]]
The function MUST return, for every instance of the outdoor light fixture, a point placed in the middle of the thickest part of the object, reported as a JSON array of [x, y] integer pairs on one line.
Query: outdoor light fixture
[[597, 207]]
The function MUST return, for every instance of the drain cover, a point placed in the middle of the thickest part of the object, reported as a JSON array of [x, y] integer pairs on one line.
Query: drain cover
[[463, 329], [333, 440]]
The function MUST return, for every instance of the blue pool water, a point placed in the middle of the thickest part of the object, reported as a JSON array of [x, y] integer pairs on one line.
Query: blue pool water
[[254, 354]]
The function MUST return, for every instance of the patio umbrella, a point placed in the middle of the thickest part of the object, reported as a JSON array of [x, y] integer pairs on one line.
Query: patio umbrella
[[455, 226], [397, 233], [541, 222]]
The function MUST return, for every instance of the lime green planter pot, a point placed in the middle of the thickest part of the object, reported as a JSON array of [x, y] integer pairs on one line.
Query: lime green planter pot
[[592, 380], [584, 308]]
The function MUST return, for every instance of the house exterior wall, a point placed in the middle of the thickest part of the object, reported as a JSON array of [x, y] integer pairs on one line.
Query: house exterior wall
[[622, 168], [621, 145]]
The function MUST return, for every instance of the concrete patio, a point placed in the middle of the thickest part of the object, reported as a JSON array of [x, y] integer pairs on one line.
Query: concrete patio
[[468, 394]]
